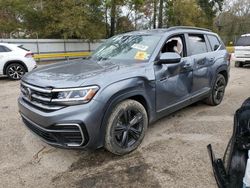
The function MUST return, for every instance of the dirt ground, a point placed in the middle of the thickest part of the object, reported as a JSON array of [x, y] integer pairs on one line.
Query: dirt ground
[[173, 153]]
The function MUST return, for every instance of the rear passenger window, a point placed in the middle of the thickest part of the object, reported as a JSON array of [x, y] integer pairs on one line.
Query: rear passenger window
[[197, 44], [4, 49], [214, 41]]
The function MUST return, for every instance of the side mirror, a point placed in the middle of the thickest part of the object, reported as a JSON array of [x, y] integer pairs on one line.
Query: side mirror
[[169, 58]]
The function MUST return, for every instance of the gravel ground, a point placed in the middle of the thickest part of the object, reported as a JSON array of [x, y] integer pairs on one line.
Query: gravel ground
[[173, 153]]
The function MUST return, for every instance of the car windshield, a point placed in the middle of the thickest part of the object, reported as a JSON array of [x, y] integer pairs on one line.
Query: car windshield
[[127, 47], [243, 41]]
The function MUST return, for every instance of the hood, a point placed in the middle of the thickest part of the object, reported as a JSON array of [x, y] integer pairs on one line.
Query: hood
[[72, 73]]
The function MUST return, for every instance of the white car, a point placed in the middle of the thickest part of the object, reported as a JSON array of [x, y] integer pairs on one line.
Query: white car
[[15, 60], [242, 51]]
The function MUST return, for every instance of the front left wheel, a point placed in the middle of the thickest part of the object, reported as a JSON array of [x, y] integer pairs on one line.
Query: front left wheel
[[15, 71], [126, 127]]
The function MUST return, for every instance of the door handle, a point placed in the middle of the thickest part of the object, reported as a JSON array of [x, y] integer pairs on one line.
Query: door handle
[[201, 62], [211, 59], [187, 67]]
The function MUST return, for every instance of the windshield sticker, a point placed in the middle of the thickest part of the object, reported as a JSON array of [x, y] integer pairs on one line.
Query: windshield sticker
[[140, 47], [141, 55]]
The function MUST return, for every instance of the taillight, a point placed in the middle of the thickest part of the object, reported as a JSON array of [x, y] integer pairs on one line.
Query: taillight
[[29, 55]]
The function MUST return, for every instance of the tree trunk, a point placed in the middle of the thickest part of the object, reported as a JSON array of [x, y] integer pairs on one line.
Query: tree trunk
[[154, 14], [112, 18], [160, 14], [106, 21]]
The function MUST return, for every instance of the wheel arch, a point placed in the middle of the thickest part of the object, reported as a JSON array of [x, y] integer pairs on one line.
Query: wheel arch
[[136, 95], [225, 74], [223, 70], [11, 62]]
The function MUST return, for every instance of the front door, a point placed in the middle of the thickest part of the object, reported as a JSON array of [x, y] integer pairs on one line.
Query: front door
[[173, 81]]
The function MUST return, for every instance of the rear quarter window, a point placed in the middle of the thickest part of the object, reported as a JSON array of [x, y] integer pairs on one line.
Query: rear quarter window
[[214, 42], [197, 44], [243, 41]]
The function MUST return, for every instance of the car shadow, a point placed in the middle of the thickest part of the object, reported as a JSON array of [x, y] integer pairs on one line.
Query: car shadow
[[3, 78]]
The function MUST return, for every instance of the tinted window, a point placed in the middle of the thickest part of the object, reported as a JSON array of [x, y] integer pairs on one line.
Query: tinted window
[[243, 41], [4, 49], [197, 44], [214, 42]]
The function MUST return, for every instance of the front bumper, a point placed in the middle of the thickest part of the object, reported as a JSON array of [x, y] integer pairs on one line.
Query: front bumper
[[71, 127], [242, 59]]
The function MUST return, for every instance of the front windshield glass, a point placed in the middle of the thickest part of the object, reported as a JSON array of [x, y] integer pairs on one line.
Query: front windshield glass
[[127, 47], [243, 41]]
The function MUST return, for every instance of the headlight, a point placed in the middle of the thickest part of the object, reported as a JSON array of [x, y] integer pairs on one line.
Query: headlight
[[72, 96]]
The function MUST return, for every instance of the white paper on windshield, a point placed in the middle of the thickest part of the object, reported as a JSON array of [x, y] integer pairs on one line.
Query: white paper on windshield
[[140, 47]]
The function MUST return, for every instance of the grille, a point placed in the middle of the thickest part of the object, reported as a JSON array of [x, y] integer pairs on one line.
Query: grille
[[45, 135], [38, 97], [72, 139], [61, 134]]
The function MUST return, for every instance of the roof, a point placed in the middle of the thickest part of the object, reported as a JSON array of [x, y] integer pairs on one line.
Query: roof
[[189, 27], [165, 30], [8, 44], [246, 35]]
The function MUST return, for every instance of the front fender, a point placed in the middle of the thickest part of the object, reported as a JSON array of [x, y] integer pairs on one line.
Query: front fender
[[122, 90]]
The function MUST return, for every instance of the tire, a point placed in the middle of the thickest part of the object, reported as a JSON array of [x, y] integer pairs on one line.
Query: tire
[[15, 71], [218, 91], [238, 64], [123, 136], [246, 103]]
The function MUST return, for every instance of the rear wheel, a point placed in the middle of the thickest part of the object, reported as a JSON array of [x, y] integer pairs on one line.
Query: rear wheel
[[126, 127], [218, 91], [238, 64], [15, 71]]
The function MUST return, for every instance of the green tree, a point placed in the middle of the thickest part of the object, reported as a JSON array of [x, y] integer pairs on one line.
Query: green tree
[[11, 16], [183, 12], [210, 9]]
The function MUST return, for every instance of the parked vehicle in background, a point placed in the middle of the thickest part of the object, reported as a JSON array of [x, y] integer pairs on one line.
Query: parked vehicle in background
[[242, 51], [15, 61], [131, 80]]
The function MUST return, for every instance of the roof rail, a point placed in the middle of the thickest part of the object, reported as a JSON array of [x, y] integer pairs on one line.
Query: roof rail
[[188, 27]]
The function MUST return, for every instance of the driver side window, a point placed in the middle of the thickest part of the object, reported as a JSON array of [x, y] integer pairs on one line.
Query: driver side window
[[175, 44]]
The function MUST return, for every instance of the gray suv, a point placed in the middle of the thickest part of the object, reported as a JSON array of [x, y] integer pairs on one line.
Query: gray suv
[[130, 81]]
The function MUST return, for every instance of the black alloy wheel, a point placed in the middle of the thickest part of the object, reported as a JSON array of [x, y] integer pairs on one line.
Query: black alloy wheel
[[126, 127], [218, 91]]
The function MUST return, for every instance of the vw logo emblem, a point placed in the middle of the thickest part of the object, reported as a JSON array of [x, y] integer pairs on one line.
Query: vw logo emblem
[[28, 93]]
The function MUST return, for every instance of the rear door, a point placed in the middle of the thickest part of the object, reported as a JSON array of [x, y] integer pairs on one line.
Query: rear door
[[198, 49]]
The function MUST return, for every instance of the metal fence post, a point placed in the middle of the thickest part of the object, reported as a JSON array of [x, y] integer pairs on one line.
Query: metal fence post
[[37, 46]]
